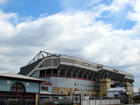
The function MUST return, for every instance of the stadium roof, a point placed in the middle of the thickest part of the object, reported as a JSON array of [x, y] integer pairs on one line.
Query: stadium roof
[[74, 67]]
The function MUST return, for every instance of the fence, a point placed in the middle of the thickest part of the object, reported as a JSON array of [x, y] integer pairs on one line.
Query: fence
[[40, 101], [62, 102], [100, 101], [58, 101]]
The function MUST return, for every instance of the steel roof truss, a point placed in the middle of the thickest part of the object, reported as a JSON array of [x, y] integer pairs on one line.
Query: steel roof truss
[[66, 71], [77, 73], [92, 76], [59, 71], [100, 74], [104, 74], [72, 71], [88, 74]]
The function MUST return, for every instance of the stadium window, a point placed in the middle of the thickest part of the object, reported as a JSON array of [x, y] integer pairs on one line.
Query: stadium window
[[86, 85], [81, 89], [68, 93], [44, 88], [75, 84], [81, 84], [78, 84]]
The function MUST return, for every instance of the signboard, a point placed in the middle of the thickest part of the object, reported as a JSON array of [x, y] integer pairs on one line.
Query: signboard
[[76, 99], [86, 64], [115, 70], [122, 94]]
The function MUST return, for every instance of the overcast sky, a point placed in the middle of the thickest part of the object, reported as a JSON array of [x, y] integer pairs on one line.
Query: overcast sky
[[101, 31]]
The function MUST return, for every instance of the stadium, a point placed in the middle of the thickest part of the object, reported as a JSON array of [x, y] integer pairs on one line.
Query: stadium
[[67, 74]]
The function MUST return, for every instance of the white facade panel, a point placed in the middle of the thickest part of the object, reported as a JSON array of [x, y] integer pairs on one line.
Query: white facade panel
[[98, 102], [92, 102], [103, 101], [81, 85], [111, 94]]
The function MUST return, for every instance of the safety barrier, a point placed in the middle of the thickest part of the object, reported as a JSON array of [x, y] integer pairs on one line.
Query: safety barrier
[[100, 101]]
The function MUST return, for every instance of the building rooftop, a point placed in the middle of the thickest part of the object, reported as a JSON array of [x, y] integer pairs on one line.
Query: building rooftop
[[116, 89], [51, 93], [18, 76]]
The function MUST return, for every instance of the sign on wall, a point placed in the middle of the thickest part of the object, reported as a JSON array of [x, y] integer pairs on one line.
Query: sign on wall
[[76, 99], [86, 64]]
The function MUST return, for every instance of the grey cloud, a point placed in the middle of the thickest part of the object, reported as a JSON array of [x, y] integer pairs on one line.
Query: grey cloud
[[71, 34]]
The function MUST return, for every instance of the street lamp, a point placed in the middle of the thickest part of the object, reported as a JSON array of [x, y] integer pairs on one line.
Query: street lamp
[[139, 90]]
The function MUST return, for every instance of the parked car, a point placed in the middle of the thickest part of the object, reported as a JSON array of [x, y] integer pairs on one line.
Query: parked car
[[51, 103]]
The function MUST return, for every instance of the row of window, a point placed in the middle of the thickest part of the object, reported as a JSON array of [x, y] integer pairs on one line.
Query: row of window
[[88, 90], [103, 85], [78, 62], [86, 85], [16, 93], [55, 62], [44, 88]]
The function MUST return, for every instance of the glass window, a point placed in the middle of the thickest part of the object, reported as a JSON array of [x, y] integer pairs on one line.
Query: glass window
[[6, 93], [78, 62], [64, 60], [23, 89], [44, 88], [17, 87], [54, 62], [46, 63], [1, 97], [71, 61]]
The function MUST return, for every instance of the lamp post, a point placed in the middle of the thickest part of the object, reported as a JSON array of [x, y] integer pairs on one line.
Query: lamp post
[[139, 90]]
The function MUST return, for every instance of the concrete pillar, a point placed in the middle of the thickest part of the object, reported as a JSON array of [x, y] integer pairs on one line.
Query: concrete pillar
[[37, 98]]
